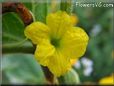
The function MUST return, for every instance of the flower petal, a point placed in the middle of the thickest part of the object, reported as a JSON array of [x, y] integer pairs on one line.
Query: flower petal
[[37, 31], [59, 22], [58, 64], [74, 42], [43, 51]]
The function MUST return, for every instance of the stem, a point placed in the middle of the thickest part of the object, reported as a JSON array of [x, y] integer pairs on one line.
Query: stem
[[63, 5], [66, 6], [20, 49], [61, 80], [16, 49]]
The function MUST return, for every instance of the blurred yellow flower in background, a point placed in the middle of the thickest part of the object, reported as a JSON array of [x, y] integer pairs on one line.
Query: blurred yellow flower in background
[[107, 80], [74, 19], [58, 41]]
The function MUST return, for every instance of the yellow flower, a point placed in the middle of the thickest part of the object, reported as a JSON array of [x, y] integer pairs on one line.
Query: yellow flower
[[107, 80], [74, 19], [57, 42]]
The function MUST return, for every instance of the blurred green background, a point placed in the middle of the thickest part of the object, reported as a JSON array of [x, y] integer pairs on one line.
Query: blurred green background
[[98, 61]]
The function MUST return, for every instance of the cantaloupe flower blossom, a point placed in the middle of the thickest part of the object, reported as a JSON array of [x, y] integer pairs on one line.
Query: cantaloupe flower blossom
[[107, 80], [57, 42]]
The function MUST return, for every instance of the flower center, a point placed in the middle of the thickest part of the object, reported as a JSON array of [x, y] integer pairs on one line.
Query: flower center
[[55, 42]]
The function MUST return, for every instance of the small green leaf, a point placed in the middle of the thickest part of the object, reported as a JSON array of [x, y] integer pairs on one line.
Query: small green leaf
[[70, 77]]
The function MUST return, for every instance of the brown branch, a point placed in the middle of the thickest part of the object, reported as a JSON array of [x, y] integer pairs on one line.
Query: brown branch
[[49, 76], [20, 9]]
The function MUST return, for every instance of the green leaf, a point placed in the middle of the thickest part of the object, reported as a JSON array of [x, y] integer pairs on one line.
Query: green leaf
[[39, 9], [13, 28], [107, 19], [70, 77], [22, 69], [13, 33]]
